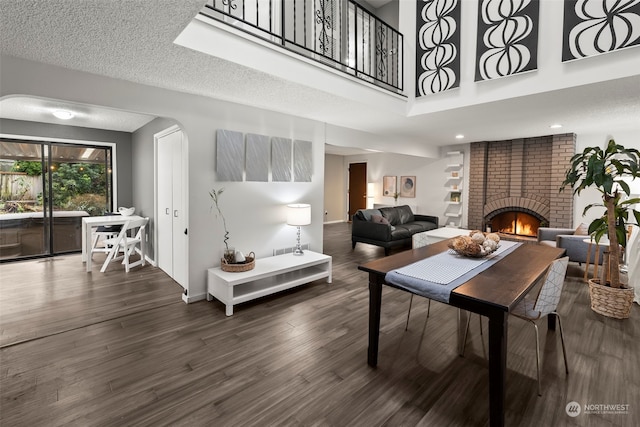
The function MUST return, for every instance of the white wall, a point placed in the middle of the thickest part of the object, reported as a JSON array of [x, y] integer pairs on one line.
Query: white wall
[[334, 189], [255, 211], [628, 139]]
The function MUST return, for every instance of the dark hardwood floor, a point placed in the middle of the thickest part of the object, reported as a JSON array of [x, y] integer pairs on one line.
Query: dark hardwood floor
[[118, 349]]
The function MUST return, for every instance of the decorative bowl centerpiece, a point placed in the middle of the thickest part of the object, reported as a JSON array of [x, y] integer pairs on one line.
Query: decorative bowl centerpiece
[[126, 211], [476, 245]]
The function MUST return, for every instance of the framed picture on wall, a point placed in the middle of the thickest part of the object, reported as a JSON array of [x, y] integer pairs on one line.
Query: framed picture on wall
[[407, 186], [389, 186]]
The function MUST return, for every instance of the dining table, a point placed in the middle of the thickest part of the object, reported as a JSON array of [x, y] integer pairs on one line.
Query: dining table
[[493, 293], [91, 222]]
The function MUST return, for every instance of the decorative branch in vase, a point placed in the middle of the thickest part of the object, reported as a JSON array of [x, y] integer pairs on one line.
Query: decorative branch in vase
[[229, 253]]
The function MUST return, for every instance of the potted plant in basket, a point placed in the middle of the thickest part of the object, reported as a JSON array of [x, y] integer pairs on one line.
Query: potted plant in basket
[[605, 170]]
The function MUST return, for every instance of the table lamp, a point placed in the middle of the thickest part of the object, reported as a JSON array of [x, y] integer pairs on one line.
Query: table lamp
[[298, 214]]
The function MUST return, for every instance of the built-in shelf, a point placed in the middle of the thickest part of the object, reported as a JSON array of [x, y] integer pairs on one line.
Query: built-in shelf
[[453, 202]]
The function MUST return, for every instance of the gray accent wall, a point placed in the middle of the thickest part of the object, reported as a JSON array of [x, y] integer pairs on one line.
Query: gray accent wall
[[142, 149], [121, 139]]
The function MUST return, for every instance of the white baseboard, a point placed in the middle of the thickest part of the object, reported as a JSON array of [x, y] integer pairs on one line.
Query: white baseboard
[[334, 222], [193, 298]]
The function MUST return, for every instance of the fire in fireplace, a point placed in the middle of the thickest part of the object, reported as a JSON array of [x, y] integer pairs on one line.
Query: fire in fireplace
[[515, 222]]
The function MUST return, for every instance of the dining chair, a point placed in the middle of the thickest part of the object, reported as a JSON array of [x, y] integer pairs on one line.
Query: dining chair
[[545, 303], [126, 244], [104, 232]]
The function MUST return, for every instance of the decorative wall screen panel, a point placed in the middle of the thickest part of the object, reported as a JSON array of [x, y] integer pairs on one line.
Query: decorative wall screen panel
[[280, 159], [229, 155], [593, 27], [437, 46], [507, 41], [302, 161], [257, 161]]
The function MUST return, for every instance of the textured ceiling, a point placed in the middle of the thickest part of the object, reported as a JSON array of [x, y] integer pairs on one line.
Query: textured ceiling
[[124, 39]]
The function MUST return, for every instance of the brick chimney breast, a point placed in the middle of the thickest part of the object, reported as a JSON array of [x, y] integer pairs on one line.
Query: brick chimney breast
[[522, 175]]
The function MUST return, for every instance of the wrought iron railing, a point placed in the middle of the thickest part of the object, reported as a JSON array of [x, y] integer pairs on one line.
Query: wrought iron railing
[[339, 33]]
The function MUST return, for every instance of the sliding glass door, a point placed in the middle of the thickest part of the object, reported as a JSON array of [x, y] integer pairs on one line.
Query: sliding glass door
[[46, 189]]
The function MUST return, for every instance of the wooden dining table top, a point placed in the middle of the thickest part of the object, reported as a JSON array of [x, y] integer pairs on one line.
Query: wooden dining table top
[[501, 286]]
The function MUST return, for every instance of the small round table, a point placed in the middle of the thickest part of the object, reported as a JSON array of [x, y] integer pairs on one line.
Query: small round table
[[603, 242]]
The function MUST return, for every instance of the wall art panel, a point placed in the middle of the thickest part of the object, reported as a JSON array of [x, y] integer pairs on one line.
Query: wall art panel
[[593, 27], [280, 159], [257, 160], [229, 155], [507, 40], [302, 161], [437, 46]]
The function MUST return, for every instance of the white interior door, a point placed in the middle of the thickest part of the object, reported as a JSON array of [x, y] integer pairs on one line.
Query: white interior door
[[171, 218], [178, 203]]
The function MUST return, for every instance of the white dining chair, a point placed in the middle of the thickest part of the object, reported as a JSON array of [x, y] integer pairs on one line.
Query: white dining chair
[[124, 245], [102, 233]]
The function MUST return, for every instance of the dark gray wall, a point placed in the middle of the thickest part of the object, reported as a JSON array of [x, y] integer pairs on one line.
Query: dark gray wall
[[121, 139], [142, 151]]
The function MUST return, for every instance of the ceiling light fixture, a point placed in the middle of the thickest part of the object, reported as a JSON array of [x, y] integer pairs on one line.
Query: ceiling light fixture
[[556, 126], [459, 136], [63, 114]]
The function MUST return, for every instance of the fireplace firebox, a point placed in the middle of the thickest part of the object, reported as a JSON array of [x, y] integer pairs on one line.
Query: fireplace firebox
[[516, 223]]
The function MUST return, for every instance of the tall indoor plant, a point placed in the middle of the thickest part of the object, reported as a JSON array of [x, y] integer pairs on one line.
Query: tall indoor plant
[[605, 171]]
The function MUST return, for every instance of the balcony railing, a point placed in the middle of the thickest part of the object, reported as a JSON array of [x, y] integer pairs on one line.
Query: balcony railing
[[338, 33]]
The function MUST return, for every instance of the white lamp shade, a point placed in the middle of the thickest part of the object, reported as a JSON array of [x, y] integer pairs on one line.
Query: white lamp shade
[[299, 214]]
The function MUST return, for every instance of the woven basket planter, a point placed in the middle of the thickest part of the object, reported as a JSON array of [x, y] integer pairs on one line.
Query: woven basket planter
[[611, 302], [239, 267]]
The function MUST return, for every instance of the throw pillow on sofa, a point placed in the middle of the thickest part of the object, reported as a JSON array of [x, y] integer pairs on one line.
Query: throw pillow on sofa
[[379, 219], [366, 214]]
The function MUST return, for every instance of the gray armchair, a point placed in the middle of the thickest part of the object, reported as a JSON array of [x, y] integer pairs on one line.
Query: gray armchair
[[565, 238]]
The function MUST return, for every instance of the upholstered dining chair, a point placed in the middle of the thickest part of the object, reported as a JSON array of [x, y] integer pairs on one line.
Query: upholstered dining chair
[[545, 303], [127, 243]]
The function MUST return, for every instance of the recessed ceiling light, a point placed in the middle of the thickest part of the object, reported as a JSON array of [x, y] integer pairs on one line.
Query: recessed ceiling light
[[556, 126], [459, 136], [63, 114]]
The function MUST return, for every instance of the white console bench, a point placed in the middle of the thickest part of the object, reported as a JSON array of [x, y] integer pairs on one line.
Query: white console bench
[[270, 275]]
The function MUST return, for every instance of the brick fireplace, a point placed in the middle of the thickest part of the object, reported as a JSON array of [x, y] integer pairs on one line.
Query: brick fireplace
[[520, 178]]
